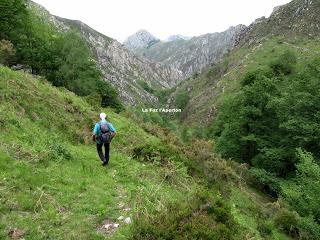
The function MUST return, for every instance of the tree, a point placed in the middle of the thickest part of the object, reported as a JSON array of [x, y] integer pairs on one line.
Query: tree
[[303, 192], [270, 117], [13, 16], [182, 99], [284, 64], [7, 52]]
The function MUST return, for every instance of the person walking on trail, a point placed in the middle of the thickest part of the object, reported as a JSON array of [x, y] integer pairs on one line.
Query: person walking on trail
[[103, 133]]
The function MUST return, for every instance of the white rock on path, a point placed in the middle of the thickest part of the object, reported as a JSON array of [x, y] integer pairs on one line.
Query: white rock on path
[[111, 226], [120, 218], [127, 220]]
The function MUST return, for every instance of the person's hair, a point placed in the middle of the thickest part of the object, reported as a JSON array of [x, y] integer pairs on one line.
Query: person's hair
[[103, 116]]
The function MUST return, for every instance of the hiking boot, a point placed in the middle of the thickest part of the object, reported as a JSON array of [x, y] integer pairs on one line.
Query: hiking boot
[[104, 163]]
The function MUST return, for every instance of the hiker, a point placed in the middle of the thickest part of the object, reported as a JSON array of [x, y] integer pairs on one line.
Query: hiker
[[103, 133]]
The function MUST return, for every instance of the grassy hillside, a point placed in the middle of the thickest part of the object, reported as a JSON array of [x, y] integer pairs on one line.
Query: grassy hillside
[[207, 89], [54, 187], [293, 26]]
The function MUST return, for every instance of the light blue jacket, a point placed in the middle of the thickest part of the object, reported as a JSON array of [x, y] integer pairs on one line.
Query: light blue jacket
[[97, 131]]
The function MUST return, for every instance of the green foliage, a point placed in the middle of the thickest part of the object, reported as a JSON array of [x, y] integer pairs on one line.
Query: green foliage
[[298, 109], [182, 99], [77, 71], [303, 192], [244, 122], [265, 181], [265, 228], [288, 222], [163, 94], [276, 112], [284, 64], [7, 52], [58, 150], [109, 96], [257, 124], [174, 190], [308, 229], [13, 18], [64, 58], [197, 217], [217, 70], [146, 86], [186, 134]]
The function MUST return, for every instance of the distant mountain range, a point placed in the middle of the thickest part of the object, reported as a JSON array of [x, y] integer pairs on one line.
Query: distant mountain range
[[292, 27], [187, 54], [145, 62], [127, 72], [177, 37]]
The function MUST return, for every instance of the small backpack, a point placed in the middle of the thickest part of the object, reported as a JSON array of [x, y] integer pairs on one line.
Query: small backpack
[[105, 136]]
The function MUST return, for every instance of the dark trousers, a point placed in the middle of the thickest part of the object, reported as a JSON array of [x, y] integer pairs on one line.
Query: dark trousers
[[104, 157]]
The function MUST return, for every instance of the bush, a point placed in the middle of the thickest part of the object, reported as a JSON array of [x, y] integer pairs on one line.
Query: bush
[[198, 217], [287, 221], [303, 192], [265, 228], [284, 64], [265, 181], [309, 229], [7, 52], [146, 86], [63, 58], [156, 153], [271, 116], [57, 150], [182, 99]]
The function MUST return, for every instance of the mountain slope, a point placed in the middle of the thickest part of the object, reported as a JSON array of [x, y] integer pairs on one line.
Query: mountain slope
[[141, 39], [53, 185], [120, 67], [191, 55], [298, 17], [291, 27]]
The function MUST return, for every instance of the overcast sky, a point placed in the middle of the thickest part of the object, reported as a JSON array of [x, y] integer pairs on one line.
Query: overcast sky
[[120, 18]]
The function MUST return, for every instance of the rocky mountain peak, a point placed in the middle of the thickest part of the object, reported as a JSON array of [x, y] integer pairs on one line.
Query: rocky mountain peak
[[141, 39], [177, 37], [298, 17]]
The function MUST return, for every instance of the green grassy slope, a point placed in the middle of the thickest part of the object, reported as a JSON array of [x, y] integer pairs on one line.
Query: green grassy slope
[[294, 26], [207, 89], [54, 187]]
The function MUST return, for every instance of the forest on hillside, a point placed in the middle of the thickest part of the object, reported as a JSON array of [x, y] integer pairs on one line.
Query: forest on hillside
[[63, 58]]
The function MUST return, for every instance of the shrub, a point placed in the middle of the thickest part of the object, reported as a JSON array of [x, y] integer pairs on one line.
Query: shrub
[[303, 192], [182, 99], [288, 222], [308, 229], [7, 52], [265, 228], [57, 150], [198, 217], [146, 86], [264, 181], [284, 64]]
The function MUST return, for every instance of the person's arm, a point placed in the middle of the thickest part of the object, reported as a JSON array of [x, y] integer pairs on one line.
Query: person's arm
[[113, 130], [94, 133]]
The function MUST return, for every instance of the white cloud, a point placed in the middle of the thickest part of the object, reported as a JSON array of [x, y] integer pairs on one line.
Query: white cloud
[[121, 18]]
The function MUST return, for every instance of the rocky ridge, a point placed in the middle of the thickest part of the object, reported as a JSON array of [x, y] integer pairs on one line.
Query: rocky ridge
[[141, 39], [177, 37], [191, 55], [296, 18], [121, 67], [291, 25]]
